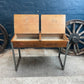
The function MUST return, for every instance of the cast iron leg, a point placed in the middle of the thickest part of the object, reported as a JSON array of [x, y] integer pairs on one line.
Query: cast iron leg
[[16, 64], [63, 64]]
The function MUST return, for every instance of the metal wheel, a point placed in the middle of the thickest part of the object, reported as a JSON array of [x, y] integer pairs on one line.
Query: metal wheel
[[3, 38], [75, 33]]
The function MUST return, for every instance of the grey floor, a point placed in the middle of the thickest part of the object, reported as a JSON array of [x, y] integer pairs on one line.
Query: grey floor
[[39, 65]]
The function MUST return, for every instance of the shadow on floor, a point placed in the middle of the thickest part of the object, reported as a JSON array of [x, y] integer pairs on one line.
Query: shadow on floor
[[39, 66]]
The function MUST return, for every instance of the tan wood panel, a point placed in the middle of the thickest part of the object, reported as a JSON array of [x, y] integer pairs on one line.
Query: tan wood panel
[[39, 44], [51, 24], [26, 23]]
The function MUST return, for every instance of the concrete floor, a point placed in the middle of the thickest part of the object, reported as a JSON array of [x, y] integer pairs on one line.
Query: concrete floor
[[43, 80], [42, 66]]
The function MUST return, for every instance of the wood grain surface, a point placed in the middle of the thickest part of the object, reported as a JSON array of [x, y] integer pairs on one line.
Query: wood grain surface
[[26, 23], [52, 24]]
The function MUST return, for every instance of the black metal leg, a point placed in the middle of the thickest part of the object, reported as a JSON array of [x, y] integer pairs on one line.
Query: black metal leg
[[67, 49], [16, 64], [60, 58], [63, 64], [19, 52]]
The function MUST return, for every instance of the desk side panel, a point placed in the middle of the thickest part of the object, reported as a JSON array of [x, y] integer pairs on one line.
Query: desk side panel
[[39, 44]]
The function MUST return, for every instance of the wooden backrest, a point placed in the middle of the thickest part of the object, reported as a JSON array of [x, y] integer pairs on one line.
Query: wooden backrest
[[26, 23], [52, 24]]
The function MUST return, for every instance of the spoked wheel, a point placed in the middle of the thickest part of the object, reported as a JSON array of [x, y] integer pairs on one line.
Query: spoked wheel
[[3, 38], [75, 33]]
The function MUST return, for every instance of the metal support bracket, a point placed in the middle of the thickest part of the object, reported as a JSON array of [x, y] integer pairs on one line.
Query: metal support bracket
[[63, 63], [16, 63]]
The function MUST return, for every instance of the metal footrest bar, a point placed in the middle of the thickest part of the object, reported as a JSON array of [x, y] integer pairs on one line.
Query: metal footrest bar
[[16, 63], [63, 63]]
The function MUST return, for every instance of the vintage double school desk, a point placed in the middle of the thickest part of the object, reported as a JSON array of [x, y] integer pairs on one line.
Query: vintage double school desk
[[26, 34]]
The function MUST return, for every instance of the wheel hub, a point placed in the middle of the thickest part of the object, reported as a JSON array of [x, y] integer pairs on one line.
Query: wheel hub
[[74, 38]]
